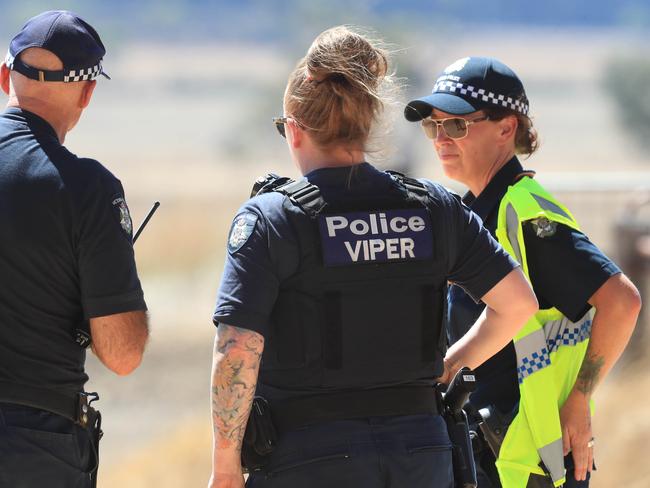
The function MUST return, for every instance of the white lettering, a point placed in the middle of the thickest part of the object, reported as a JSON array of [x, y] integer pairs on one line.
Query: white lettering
[[359, 227], [416, 224], [334, 223], [391, 248], [376, 245], [394, 224], [354, 253], [382, 219], [365, 250], [407, 247], [375, 224]]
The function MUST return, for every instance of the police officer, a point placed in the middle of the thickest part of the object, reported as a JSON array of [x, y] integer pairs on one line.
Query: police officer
[[67, 270], [477, 117], [333, 293]]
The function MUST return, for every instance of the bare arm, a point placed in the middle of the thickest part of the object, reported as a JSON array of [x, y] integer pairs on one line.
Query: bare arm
[[510, 303], [236, 361], [118, 340], [617, 304]]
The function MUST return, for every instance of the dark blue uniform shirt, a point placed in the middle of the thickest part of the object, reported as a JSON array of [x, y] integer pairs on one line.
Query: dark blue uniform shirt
[[65, 254], [565, 269], [262, 257]]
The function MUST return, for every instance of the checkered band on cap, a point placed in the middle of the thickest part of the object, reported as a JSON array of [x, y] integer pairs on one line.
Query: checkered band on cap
[[482, 94], [83, 74]]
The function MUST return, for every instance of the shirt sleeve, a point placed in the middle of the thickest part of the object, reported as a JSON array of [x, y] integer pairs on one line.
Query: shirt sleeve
[[107, 271], [261, 250], [566, 269], [477, 262]]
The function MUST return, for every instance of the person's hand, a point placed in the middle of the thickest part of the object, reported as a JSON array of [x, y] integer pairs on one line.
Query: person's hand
[[575, 417], [226, 480]]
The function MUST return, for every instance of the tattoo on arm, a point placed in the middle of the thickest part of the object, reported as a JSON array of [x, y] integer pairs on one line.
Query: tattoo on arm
[[589, 373], [236, 361]]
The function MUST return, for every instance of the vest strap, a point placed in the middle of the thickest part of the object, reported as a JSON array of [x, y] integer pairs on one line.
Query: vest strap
[[415, 190], [304, 195]]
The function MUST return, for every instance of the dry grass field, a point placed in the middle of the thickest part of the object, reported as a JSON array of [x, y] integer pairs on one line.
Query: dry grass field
[[196, 138]]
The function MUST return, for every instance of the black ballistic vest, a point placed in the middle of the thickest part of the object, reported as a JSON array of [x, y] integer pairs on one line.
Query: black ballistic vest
[[362, 324]]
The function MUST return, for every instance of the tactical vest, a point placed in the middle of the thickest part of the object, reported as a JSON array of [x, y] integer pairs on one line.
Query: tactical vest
[[363, 309], [549, 348]]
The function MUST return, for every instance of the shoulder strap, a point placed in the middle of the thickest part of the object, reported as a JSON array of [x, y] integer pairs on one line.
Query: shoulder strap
[[304, 195], [415, 191], [268, 183]]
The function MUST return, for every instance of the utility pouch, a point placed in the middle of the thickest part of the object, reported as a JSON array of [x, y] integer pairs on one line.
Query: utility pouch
[[91, 421], [260, 437], [95, 431]]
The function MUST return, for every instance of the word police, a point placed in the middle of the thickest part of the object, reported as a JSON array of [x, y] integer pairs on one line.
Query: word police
[[376, 236], [360, 227]]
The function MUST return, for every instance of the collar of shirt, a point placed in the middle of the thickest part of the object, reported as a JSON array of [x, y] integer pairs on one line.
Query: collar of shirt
[[37, 124], [488, 200], [358, 179]]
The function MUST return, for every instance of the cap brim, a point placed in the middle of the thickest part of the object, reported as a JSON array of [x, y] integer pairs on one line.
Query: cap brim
[[422, 107]]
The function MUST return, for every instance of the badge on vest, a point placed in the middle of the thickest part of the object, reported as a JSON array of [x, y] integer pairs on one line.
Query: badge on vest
[[241, 229], [376, 237], [544, 227]]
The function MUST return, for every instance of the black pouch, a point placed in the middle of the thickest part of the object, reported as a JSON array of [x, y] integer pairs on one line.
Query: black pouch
[[95, 430], [260, 437], [90, 420]]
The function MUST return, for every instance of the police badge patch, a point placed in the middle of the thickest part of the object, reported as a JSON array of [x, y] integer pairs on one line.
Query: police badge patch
[[241, 229], [123, 216]]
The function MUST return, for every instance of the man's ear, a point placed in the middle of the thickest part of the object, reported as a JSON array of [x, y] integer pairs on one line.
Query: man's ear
[[87, 93], [294, 133], [5, 74]]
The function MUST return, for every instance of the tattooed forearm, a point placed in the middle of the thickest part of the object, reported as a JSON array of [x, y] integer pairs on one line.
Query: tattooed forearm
[[236, 360], [589, 373]]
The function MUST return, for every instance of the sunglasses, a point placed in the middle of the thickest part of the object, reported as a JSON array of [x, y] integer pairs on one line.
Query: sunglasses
[[455, 127], [279, 124]]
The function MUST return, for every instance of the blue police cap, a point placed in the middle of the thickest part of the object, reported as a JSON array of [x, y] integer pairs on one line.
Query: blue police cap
[[65, 34], [468, 85]]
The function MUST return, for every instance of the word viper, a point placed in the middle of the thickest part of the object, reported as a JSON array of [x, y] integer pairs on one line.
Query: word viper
[[380, 236]]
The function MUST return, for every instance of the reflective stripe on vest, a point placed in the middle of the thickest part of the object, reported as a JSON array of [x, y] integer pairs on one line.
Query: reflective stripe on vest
[[549, 348]]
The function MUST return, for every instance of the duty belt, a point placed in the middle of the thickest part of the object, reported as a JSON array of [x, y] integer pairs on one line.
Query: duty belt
[[302, 411], [75, 407]]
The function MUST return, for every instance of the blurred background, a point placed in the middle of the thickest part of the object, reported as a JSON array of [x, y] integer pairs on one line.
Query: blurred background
[[187, 120]]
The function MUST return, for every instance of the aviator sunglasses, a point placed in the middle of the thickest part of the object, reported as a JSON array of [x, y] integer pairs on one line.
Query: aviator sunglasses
[[455, 127]]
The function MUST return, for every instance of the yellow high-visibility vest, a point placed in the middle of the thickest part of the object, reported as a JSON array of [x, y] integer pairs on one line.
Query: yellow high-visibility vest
[[549, 348]]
